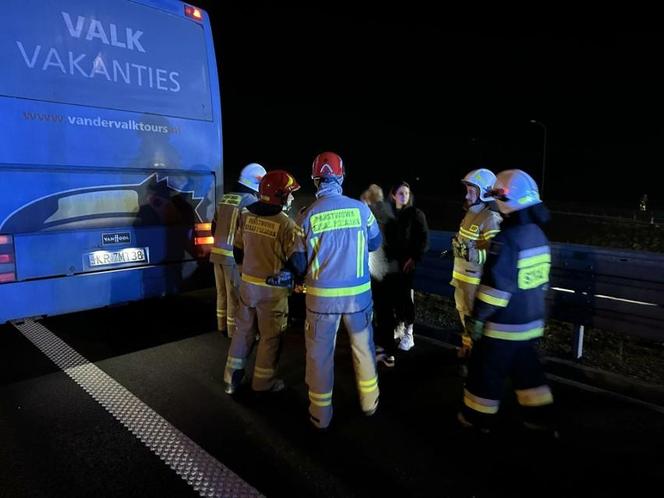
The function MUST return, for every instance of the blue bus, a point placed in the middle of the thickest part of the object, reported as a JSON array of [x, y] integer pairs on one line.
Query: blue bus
[[110, 152]]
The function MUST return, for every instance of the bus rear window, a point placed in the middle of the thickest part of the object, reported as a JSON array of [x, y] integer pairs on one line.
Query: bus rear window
[[116, 55]]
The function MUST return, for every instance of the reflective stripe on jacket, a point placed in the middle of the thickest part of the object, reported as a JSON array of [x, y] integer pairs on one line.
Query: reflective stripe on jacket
[[472, 243], [512, 294], [227, 217], [338, 233], [267, 242]]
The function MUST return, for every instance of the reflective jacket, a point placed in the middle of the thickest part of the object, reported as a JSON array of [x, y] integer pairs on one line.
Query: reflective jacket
[[226, 219], [338, 234], [266, 243], [471, 243], [511, 296]]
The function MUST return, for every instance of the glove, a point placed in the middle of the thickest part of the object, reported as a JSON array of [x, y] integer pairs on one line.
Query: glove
[[282, 279], [456, 247], [460, 249], [474, 328]]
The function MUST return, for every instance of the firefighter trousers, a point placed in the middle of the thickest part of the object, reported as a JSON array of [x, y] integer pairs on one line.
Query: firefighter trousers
[[464, 297], [227, 301], [320, 331], [492, 362], [262, 310]]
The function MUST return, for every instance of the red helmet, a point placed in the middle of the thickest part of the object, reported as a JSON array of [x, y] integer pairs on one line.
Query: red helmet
[[276, 186], [327, 164]]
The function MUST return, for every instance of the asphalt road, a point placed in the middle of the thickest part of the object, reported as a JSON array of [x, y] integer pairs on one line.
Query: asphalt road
[[56, 440]]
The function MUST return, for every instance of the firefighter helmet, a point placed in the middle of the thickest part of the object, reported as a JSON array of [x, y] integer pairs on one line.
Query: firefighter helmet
[[327, 164], [515, 190], [276, 186], [251, 175], [483, 179]]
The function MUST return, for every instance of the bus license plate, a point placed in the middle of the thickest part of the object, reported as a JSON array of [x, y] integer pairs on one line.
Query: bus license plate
[[122, 256]]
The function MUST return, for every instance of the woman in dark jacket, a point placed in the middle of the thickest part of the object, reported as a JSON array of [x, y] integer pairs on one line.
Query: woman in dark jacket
[[406, 239]]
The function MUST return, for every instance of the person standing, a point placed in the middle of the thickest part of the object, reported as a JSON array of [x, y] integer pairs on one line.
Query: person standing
[[471, 243], [338, 233], [508, 315], [406, 241], [221, 255], [383, 313], [264, 243]]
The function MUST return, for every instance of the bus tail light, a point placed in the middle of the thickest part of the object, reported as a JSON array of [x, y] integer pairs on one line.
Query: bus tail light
[[7, 266], [203, 234], [7, 277], [193, 12], [201, 241]]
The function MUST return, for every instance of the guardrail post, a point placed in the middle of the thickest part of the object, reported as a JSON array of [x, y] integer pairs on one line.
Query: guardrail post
[[577, 341]]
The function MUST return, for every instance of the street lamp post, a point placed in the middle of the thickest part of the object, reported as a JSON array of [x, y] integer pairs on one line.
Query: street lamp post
[[539, 123]]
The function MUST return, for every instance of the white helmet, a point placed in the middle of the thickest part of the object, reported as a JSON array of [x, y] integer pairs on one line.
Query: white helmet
[[251, 175], [483, 179], [515, 190]]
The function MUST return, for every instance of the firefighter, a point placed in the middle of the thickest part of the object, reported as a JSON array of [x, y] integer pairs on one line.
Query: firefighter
[[338, 233], [221, 256], [509, 311], [470, 244], [264, 241]]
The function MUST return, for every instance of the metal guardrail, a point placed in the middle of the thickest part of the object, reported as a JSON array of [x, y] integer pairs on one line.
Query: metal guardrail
[[636, 218], [609, 289]]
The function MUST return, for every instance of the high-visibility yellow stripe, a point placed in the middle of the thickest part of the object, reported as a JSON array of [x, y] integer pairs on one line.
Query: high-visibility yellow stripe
[[360, 254], [315, 265], [320, 403], [232, 227], [490, 234], [515, 336], [263, 373], [537, 396], [369, 382], [488, 406], [367, 386], [339, 291], [468, 234], [371, 220], [255, 280], [534, 260], [465, 278], [222, 251], [482, 256], [320, 399], [495, 301]]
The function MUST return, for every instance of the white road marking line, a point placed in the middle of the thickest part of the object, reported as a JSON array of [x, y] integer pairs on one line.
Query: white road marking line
[[198, 468]]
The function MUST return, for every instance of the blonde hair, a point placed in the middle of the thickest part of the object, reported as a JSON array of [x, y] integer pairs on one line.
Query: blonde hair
[[372, 194]]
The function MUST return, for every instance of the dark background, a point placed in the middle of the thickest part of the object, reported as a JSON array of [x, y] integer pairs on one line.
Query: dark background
[[399, 95]]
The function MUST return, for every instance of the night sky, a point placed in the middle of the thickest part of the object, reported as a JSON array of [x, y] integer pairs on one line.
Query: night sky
[[399, 95]]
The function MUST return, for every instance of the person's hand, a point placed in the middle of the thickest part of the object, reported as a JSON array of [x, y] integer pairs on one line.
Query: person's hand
[[409, 265], [474, 328]]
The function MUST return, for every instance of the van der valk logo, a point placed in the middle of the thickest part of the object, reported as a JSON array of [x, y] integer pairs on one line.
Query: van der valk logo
[[115, 238]]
